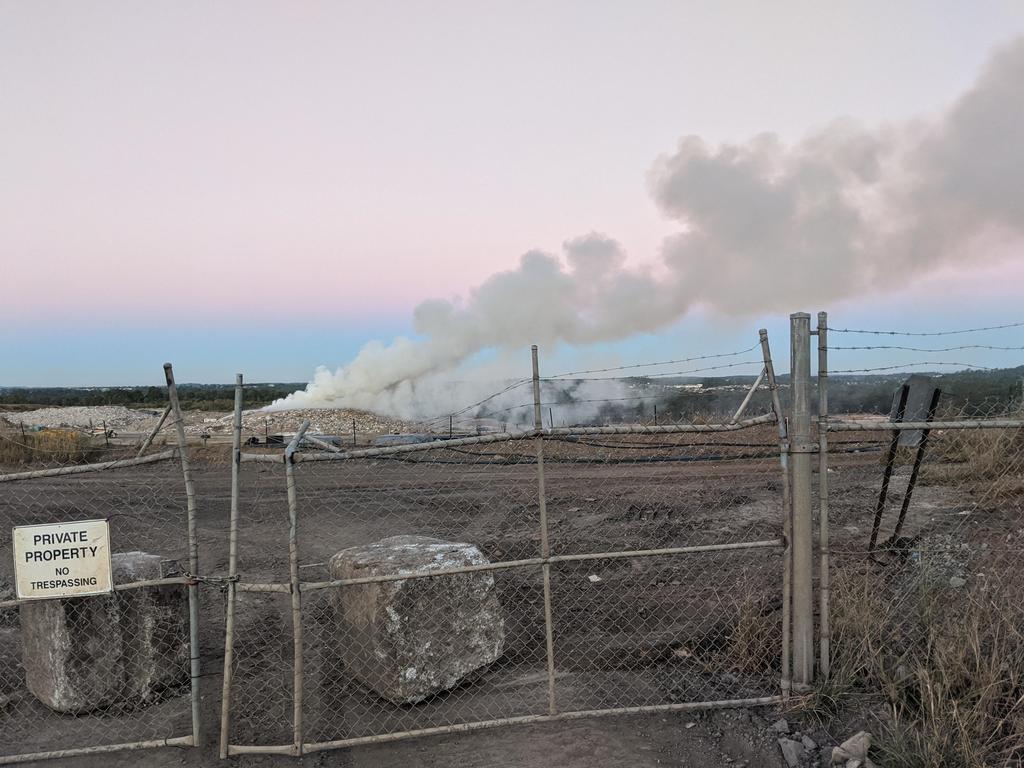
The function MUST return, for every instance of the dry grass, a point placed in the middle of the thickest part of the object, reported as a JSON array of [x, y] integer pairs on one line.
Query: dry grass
[[982, 454], [755, 641], [50, 446], [978, 456], [946, 666]]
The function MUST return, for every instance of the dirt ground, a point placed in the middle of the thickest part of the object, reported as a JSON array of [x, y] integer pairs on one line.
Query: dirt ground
[[647, 631], [727, 738]]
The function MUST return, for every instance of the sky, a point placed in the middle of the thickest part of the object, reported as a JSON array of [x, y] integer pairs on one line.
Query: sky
[[264, 187]]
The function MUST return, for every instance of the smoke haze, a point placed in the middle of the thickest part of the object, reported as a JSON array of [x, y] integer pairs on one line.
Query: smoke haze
[[764, 226]]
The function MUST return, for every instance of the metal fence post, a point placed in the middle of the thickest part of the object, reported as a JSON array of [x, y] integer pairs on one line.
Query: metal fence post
[[787, 512], [229, 620], [545, 549], [803, 547], [295, 589], [193, 552], [824, 590]]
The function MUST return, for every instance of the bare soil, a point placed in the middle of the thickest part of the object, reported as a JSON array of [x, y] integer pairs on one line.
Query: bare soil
[[648, 631]]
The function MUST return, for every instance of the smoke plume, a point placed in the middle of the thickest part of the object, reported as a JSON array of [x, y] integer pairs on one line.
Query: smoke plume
[[764, 226]]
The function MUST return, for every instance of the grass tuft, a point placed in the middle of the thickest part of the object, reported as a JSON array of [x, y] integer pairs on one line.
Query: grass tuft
[[50, 446]]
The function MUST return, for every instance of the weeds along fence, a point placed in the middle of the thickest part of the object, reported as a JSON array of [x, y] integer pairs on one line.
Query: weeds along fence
[[601, 570], [114, 671], [919, 541]]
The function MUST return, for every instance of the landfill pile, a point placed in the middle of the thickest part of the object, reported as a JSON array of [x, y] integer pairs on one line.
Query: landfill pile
[[256, 422], [115, 417], [337, 421]]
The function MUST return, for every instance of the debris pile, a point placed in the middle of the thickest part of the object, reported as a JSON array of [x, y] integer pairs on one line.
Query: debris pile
[[321, 422], [85, 417]]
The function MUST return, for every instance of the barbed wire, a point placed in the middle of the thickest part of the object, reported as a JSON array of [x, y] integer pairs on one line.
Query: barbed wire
[[446, 416], [970, 366], [667, 373], [939, 349], [651, 365], [926, 333]]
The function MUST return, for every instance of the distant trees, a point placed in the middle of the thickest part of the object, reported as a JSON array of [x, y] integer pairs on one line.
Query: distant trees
[[202, 397]]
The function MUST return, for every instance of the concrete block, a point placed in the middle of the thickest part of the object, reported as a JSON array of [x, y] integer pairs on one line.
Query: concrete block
[[412, 638], [154, 627], [86, 653]]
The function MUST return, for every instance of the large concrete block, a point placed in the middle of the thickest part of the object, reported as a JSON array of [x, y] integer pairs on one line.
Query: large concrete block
[[8, 616], [86, 653], [411, 638], [154, 627]]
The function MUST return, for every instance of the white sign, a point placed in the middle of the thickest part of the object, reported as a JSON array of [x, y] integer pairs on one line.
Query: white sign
[[62, 559]]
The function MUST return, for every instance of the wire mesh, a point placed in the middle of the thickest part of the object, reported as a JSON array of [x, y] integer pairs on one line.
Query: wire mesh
[[648, 631], [927, 621], [393, 649], [109, 669]]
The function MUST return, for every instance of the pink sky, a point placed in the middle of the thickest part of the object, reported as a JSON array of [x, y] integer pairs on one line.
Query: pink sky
[[188, 162], [217, 157]]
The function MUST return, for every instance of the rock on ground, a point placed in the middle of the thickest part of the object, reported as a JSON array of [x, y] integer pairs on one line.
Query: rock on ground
[[85, 653], [853, 753], [792, 752], [411, 638]]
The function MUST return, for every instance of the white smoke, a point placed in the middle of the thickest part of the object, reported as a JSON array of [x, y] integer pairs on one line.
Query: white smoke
[[765, 226]]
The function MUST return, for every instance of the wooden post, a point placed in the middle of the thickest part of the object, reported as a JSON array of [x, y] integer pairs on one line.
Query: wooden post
[[193, 552], [152, 435], [353, 431]]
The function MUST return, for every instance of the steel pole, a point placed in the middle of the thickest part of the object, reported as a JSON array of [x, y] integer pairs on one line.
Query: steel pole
[[824, 590], [545, 550], [229, 620], [801, 449], [195, 671]]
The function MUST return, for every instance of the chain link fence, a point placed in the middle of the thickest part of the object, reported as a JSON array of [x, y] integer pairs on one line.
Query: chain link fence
[[505, 578], [524, 563], [920, 564], [110, 671]]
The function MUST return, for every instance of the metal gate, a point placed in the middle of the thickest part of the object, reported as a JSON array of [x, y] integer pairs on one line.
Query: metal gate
[[625, 569]]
